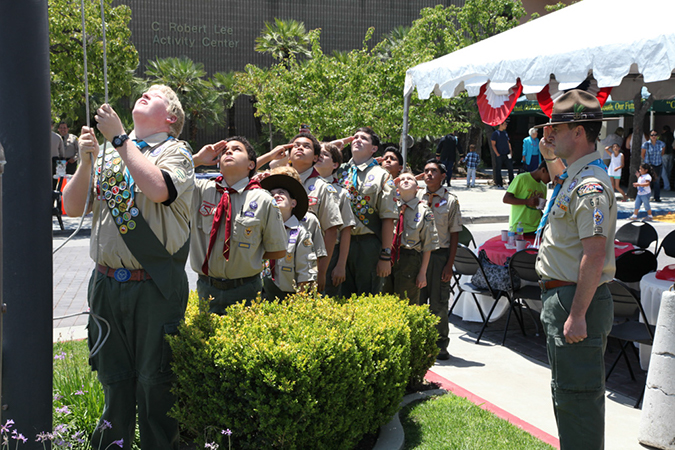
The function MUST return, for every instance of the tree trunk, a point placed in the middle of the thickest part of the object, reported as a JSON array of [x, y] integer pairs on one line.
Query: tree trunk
[[641, 108]]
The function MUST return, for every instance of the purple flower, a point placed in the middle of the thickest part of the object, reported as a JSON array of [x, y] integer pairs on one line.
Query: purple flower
[[226, 432], [80, 392], [105, 425], [211, 445], [119, 443], [63, 410], [78, 437], [61, 355], [5, 428], [57, 397], [19, 436], [61, 428]]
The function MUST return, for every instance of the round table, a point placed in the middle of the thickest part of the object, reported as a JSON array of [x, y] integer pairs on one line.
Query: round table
[[651, 289]]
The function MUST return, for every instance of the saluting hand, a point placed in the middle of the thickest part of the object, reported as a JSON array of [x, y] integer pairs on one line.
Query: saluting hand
[[209, 154], [546, 146]]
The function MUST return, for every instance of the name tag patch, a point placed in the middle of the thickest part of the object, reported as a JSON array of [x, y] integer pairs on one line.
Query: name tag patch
[[244, 245]]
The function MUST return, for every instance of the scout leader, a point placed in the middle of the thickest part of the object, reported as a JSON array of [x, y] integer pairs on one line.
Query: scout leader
[[414, 240], [371, 192], [448, 220], [323, 198], [296, 268], [235, 225], [140, 233]]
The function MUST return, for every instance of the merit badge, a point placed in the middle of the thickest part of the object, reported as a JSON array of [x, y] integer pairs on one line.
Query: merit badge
[[115, 212], [126, 216], [134, 212], [253, 205], [108, 195], [122, 206], [123, 185], [119, 221], [123, 229], [371, 211], [365, 222], [131, 224], [115, 190]]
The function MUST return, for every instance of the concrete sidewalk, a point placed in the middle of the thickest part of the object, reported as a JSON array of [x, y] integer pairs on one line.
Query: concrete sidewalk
[[515, 383]]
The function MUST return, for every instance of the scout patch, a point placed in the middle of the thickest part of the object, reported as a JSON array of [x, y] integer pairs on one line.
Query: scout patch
[[311, 187], [598, 217], [371, 177], [180, 173], [253, 205], [307, 242], [418, 216], [410, 242], [205, 209], [249, 214], [312, 201], [561, 203], [286, 269], [590, 188], [429, 216], [244, 245], [572, 185], [330, 188], [248, 231], [289, 257], [390, 183], [442, 202]]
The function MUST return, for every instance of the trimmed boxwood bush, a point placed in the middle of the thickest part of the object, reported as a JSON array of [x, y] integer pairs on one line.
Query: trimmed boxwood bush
[[309, 372]]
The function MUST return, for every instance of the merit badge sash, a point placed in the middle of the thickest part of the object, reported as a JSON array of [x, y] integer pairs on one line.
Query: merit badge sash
[[116, 187], [361, 204]]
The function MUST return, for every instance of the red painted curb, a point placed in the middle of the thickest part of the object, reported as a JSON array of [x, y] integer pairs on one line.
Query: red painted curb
[[496, 410]]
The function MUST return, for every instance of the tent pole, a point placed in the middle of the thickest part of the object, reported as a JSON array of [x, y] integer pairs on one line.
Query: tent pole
[[404, 132]]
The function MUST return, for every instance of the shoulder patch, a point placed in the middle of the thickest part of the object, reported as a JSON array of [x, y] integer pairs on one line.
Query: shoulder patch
[[330, 188], [429, 216], [590, 188], [390, 183]]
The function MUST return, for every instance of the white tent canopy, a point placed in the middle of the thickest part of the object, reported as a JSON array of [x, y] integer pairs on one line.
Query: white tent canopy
[[623, 44]]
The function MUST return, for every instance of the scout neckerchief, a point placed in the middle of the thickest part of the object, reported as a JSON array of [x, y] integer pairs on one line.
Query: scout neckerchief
[[116, 186], [396, 244], [224, 208], [556, 190], [361, 204]]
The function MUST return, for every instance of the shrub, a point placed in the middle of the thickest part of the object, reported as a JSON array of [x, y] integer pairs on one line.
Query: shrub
[[308, 372]]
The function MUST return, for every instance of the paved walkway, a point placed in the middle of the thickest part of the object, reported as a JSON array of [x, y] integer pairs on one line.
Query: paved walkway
[[505, 378]]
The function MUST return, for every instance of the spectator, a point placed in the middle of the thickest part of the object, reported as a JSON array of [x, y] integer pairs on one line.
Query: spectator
[[447, 153], [643, 191], [615, 166], [499, 142], [531, 155], [667, 138], [71, 149], [472, 160], [611, 139], [525, 195], [652, 154], [57, 155]]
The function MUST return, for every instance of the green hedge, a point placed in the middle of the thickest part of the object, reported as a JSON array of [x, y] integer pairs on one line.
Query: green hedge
[[310, 372]]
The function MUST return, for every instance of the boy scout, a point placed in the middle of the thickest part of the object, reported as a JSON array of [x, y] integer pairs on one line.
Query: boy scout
[[296, 267], [323, 199], [371, 192], [235, 225], [575, 263], [448, 220], [414, 240], [139, 241], [327, 166]]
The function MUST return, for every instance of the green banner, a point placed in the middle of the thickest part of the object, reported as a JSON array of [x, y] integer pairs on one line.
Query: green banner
[[611, 108]]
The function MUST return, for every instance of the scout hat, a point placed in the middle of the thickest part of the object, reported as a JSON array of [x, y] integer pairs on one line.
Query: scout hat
[[576, 106], [294, 188]]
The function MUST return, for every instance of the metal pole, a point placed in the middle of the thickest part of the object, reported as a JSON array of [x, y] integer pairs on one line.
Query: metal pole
[[404, 132], [26, 218], [2, 303]]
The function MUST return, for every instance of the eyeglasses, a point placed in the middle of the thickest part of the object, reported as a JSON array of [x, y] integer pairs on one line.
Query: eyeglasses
[[653, 134]]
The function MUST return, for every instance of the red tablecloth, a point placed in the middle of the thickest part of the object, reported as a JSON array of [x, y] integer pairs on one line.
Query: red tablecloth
[[496, 249]]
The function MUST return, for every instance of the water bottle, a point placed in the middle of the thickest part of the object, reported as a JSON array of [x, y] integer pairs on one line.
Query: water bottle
[[512, 237], [519, 231]]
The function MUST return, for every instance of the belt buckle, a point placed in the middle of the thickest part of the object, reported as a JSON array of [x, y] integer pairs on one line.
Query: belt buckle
[[542, 285], [122, 275]]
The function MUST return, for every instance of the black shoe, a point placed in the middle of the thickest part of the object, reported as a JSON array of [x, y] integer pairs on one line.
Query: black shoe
[[443, 355], [658, 200]]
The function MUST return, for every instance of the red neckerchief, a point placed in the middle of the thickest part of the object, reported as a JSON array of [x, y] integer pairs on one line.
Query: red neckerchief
[[396, 244], [224, 208]]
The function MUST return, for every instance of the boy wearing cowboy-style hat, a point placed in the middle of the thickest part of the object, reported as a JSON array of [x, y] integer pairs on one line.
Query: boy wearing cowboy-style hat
[[298, 266], [575, 263]]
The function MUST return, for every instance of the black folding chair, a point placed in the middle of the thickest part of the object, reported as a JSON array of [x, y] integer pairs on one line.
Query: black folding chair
[[667, 245], [465, 238], [522, 264], [467, 263], [638, 233], [56, 207], [633, 265], [628, 328]]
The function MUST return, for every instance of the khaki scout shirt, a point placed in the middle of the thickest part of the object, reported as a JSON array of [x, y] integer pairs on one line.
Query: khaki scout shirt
[[311, 223], [348, 219], [447, 215], [257, 227], [299, 264], [170, 223], [323, 200], [57, 146], [585, 207], [375, 190], [419, 229], [71, 147]]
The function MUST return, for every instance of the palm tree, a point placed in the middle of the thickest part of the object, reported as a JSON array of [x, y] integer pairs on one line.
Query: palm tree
[[200, 101], [392, 40], [225, 84], [283, 39]]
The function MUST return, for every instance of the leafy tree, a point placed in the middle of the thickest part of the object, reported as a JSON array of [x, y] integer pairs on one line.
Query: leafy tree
[[283, 39], [225, 84], [67, 56], [201, 102], [481, 19]]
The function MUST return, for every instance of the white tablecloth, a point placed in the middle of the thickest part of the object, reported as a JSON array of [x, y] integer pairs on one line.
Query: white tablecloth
[[467, 310], [651, 289]]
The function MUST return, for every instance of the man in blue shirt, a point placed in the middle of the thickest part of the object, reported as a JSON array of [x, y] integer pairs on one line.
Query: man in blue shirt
[[502, 147], [652, 154]]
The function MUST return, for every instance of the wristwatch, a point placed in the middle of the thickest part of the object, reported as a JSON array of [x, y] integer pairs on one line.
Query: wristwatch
[[118, 140], [386, 251]]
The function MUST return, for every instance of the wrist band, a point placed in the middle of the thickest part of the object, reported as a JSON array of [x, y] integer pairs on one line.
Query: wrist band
[[385, 258], [551, 160]]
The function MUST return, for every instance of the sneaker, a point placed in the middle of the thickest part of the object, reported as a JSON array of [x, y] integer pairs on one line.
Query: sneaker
[[443, 355], [649, 218], [633, 217], [473, 185]]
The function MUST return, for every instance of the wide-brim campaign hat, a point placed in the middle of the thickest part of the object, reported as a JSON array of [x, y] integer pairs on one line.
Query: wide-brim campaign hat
[[294, 188], [576, 106]]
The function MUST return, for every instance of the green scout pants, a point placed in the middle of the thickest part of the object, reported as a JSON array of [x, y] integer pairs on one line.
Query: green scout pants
[[330, 290], [403, 278], [578, 370], [438, 294], [220, 299], [133, 364], [364, 254]]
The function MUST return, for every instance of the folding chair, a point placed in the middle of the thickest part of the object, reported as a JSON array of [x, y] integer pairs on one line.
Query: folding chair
[[638, 233], [667, 245], [467, 263], [56, 207], [522, 264], [465, 238], [633, 265], [628, 329]]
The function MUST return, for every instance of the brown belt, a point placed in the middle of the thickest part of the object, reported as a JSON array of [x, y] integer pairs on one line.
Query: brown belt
[[123, 274], [552, 284], [224, 285]]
